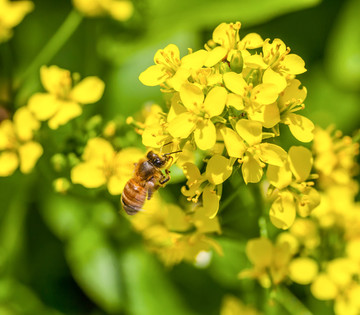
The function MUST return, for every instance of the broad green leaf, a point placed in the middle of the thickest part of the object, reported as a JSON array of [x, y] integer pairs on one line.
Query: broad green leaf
[[148, 289], [95, 267]]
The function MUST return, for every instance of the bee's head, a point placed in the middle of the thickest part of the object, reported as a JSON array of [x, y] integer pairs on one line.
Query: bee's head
[[155, 159]]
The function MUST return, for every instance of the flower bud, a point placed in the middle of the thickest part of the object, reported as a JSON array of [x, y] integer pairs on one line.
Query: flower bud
[[237, 62]]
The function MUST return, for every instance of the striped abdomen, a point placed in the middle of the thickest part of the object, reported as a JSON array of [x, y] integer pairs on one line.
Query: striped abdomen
[[133, 197]]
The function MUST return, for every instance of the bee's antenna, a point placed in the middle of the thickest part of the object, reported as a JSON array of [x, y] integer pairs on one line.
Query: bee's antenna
[[172, 153]]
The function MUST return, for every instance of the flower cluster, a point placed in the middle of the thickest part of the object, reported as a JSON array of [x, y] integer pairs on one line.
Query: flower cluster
[[229, 100], [11, 14], [321, 250], [175, 234]]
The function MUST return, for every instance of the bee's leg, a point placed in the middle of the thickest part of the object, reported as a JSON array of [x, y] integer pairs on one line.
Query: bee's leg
[[151, 187], [165, 179]]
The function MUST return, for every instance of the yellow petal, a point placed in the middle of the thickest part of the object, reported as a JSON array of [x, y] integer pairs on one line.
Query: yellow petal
[[98, 151], [235, 101], [205, 135], [341, 271], [88, 175], [255, 62], [43, 105], [7, 135], [353, 249], [120, 10], [303, 270], [191, 96], [251, 169], [210, 202], [268, 115], [215, 55], [260, 252], [323, 288], [8, 163], [272, 154], [252, 41], [235, 146], [292, 94], [272, 77], [178, 79], [215, 101], [182, 125], [194, 60], [25, 123], [293, 64], [218, 169], [169, 53], [66, 112], [264, 93], [55, 80], [116, 185], [29, 154], [176, 220], [235, 83], [300, 160], [154, 75], [282, 212], [301, 127], [280, 177], [249, 130], [309, 200], [88, 90], [14, 12]]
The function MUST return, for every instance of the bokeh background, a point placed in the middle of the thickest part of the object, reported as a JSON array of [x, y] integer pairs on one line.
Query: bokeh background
[[72, 255]]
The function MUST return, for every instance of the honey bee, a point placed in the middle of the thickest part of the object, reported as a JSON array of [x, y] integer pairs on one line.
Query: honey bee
[[148, 178]]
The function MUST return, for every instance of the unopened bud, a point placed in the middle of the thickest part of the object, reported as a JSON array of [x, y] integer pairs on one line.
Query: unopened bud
[[237, 62]]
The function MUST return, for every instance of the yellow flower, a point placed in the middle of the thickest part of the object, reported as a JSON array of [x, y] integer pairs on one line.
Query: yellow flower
[[218, 169], [195, 116], [17, 147], [246, 145], [11, 14], [233, 306], [293, 194], [102, 165], [63, 101], [170, 69], [120, 10], [173, 234], [271, 261], [290, 101]]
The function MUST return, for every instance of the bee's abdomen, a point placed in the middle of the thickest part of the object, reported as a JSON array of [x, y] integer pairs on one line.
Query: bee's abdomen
[[133, 197]]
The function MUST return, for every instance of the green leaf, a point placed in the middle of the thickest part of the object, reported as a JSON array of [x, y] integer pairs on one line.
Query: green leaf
[[327, 104], [225, 269], [95, 267], [343, 51], [149, 292]]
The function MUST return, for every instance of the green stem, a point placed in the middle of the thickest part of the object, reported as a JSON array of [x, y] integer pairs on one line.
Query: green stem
[[290, 302], [57, 41], [259, 205]]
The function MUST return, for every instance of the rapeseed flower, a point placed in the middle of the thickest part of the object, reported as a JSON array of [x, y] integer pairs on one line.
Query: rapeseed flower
[[102, 165], [64, 98], [17, 145], [120, 10], [11, 14], [175, 234]]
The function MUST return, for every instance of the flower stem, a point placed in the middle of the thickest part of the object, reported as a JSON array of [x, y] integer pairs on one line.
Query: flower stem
[[290, 302], [55, 43]]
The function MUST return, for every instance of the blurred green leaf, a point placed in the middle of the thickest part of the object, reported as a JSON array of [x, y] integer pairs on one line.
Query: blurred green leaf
[[225, 269], [95, 266], [343, 51], [16, 298], [148, 290], [326, 104]]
